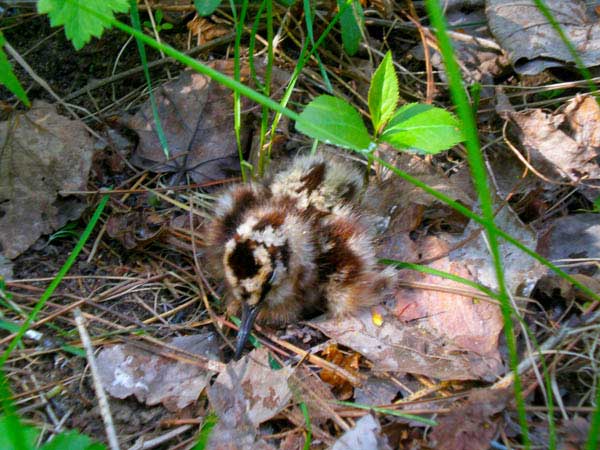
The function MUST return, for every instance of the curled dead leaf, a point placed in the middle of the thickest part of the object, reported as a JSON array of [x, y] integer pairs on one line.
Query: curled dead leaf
[[342, 387]]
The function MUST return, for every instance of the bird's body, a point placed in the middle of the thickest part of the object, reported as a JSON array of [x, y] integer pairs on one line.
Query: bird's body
[[295, 244]]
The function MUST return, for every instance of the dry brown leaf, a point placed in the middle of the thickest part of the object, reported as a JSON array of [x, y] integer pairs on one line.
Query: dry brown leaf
[[575, 236], [472, 425], [196, 115], [375, 392], [205, 30], [558, 150], [42, 153], [128, 370], [531, 41]]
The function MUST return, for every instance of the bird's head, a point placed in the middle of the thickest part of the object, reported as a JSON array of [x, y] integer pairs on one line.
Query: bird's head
[[255, 260]]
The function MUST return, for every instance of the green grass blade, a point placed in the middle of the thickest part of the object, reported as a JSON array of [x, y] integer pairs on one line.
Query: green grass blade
[[391, 412], [210, 420], [306, 415], [135, 20], [440, 273], [263, 153], [237, 104], [308, 16], [478, 172]]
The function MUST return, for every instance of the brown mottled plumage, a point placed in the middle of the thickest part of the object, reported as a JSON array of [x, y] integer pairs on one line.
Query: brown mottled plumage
[[296, 244]]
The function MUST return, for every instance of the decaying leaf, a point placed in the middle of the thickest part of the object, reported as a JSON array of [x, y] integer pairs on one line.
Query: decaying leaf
[[564, 144], [343, 388], [265, 391], [573, 433], [472, 425], [136, 229], [407, 347], [531, 41], [128, 370], [575, 236], [366, 435], [196, 116], [41, 154]]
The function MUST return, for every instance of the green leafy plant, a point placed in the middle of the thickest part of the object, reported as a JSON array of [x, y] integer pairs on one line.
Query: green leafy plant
[[80, 26], [416, 126], [69, 230], [158, 20], [71, 440]]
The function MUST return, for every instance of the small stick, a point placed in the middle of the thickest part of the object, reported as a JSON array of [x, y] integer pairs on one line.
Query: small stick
[[102, 400]]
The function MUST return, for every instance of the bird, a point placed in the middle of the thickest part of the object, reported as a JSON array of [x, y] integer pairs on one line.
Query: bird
[[294, 244]]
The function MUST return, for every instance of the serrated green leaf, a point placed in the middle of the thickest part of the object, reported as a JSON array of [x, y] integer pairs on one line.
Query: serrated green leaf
[[7, 76], [80, 24], [72, 440], [383, 93], [334, 121], [351, 22], [423, 127], [30, 434], [206, 7]]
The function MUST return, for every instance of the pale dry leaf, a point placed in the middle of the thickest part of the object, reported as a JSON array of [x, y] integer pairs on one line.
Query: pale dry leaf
[[521, 272], [366, 435], [397, 346], [531, 41], [41, 154], [265, 390], [128, 370], [465, 323]]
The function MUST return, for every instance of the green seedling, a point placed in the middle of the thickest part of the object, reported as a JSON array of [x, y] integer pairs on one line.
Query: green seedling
[[158, 20], [416, 126]]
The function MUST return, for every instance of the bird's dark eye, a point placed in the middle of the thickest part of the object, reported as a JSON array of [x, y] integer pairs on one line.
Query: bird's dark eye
[[242, 261]]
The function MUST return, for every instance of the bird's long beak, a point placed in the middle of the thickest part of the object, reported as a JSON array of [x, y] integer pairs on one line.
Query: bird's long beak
[[249, 314]]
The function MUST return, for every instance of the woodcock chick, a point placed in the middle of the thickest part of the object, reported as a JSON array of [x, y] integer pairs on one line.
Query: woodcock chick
[[295, 244]]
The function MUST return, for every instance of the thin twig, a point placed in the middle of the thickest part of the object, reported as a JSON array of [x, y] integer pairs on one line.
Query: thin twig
[[100, 394]]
